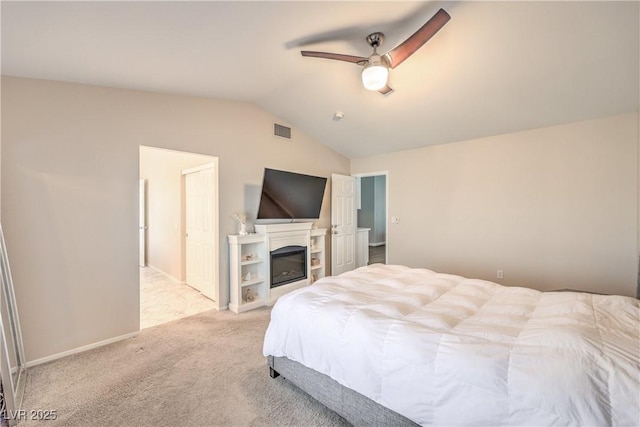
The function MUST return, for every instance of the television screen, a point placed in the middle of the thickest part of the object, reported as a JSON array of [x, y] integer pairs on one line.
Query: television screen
[[289, 195]]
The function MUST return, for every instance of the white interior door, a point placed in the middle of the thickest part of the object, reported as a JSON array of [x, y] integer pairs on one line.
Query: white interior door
[[201, 219], [143, 222], [343, 223]]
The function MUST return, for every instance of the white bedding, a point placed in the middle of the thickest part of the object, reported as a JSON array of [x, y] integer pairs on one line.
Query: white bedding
[[445, 350]]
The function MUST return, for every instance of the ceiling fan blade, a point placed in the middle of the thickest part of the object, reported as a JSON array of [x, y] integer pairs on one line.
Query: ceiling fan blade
[[336, 56], [387, 90], [420, 37]]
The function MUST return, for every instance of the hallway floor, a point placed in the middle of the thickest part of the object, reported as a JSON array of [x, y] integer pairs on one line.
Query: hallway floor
[[377, 254], [163, 299]]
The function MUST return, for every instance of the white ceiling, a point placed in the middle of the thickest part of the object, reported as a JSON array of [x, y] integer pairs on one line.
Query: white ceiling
[[496, 67]]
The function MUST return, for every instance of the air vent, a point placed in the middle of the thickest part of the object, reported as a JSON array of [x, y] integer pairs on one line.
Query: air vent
[[281, 131]]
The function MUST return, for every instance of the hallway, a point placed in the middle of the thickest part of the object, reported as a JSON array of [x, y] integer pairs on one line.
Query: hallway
[[163, 299], [377, 254]]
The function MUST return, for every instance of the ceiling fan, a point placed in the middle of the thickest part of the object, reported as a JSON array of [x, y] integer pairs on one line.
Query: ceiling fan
[[375, 71]]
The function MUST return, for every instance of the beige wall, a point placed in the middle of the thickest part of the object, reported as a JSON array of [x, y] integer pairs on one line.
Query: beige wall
[[162, 170], [552, 208], [70, 195]]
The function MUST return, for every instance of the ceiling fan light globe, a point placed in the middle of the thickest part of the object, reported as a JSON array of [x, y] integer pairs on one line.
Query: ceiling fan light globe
[[375, 76]]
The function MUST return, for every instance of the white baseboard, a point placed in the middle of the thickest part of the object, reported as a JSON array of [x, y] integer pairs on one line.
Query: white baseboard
[[377, 244], [79, 350]]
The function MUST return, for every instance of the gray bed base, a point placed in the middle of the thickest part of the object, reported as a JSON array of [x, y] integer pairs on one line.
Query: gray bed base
[[350, 405]]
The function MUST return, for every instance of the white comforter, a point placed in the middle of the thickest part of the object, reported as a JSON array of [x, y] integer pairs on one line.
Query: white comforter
[[445, 350]]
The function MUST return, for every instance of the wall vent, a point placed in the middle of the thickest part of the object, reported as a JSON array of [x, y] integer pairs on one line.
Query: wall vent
[[281, 131]]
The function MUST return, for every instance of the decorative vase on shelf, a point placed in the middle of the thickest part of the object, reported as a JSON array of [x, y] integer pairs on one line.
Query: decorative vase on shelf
[[243, 229], [242, 220]]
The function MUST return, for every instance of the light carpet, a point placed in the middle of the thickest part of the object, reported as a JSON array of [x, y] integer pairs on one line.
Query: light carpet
[[203, 370]]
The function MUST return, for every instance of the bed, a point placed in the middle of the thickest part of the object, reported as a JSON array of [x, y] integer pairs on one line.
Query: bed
[[389, 344]]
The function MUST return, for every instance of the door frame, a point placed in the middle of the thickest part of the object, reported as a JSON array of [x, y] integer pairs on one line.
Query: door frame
[[386, 204], [142, 219], [216, 226]]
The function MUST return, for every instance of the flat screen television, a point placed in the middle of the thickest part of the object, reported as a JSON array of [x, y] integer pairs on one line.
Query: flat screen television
[[289, 195]]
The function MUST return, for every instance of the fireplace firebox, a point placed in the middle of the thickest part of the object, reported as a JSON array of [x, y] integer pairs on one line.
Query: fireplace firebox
[[288, 264]]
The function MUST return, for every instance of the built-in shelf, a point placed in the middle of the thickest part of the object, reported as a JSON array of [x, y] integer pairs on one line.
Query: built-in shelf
[[246, 256], [246, 306], [251, 282], [317, 248], [249, 254]]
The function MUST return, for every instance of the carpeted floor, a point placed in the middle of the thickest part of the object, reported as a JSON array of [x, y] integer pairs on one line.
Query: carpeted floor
[[204, 370]]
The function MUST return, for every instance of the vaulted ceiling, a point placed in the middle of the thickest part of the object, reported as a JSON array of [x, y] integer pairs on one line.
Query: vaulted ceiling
[[496, 67]]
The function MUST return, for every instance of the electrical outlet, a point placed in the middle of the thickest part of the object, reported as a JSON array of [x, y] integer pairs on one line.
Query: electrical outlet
[[500, 274]]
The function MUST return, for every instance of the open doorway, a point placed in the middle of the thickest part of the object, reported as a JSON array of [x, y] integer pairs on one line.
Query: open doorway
[[165, 294], [372, 214]]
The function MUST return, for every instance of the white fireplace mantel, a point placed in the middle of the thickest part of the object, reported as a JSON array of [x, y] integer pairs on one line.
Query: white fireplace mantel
[[279, 236], [251, 268], [282, 228]]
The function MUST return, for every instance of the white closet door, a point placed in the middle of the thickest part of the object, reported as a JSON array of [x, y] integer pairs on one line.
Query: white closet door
[[201, 219]]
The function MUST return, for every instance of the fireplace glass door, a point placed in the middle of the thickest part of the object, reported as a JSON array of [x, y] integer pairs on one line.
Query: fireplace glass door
[[288, 264]]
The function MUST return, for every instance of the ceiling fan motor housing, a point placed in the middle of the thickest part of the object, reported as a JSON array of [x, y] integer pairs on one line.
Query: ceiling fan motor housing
[[375, 39]]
